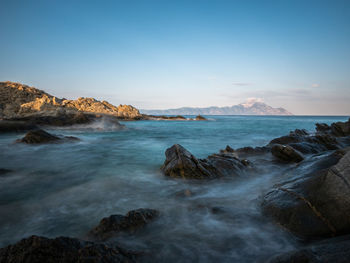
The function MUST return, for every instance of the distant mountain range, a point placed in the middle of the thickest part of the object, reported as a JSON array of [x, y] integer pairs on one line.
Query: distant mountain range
[[248, 108]]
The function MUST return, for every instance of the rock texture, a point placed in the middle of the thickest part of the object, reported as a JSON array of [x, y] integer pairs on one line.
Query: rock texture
[[335, 250], [316, 204], [182, 164], [20, 101], [40, 136], [286, 153], [36, 249], [130, 223]]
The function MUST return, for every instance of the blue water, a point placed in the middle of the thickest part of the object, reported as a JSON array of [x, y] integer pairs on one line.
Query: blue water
[[65, 189]]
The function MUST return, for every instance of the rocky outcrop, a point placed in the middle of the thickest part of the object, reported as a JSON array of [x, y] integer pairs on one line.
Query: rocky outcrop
[[335, 250], [21, 101], [16, 126], [40, 136], [315, 204], [182, 164], [286, 153], [200, 118], [36, 249], [130, 223]]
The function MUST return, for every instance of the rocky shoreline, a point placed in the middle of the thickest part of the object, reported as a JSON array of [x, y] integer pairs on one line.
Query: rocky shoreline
[[311, 201], [30, 106]]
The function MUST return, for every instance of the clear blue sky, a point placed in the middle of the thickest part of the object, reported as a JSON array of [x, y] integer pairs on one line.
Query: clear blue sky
[[166, 54]]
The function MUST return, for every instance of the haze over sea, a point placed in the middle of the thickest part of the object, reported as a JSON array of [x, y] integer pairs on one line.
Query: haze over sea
[[65, 189]]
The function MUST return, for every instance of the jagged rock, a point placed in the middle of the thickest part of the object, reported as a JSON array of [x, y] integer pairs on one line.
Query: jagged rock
[[315, 204], [322, 127], [341, 129], [36, 249], [252, 151], [335, 250], [200, 118], [182, 164], [16, 126], [41, 136], [130, 223], [286, 153]]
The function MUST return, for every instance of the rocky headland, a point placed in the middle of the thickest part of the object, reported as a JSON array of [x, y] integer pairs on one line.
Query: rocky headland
[[22, 106]]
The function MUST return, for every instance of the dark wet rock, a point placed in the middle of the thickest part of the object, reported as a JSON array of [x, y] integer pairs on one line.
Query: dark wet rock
[[4, 171], [133, 221], [299, 132], [341, 129], [228, 149], [248, 151], [314, 204], [286, 153], [322, 127], [36, 249], [182, 164], [333, 250], [40, 136], [200, 118], [16, 126]]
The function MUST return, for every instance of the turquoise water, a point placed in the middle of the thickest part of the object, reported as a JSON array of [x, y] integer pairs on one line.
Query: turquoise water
[[65, 189]]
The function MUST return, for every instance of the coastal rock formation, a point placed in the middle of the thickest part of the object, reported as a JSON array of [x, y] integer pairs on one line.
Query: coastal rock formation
[[286, 153], [131, 222], [200, 118], [315, 204], [36, 249], [4, 171], [329, 250], [20, 101], [40, 136], [182, 164]]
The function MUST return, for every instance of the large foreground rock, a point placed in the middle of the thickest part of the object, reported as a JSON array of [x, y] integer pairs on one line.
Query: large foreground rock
[[40, 136], [334, 250], [130, 223], [36, 249], [315, 204], [182, 164]]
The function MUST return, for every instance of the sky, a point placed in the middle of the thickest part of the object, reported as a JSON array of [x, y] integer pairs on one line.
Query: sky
[[169, 54]]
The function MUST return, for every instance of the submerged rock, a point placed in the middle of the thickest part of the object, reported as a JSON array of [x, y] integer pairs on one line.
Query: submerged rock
[[335, 250], [315, 204], [16, 126], [41, 136], [36, 249], [130, 223], [182, 164], [286, 153]]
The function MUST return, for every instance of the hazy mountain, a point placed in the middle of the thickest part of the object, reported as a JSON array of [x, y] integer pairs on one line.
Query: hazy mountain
[[248, 108]]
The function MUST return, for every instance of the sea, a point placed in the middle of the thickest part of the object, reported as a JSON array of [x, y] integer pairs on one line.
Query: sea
[[66, 189]]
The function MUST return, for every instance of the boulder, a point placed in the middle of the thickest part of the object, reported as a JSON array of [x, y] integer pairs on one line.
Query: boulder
[[181, 163], [340, 129], [322, 127], [36, 249], [335, 250], [40, 136], [286, 153], [314, 204], [130, 223], [16, 126]]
